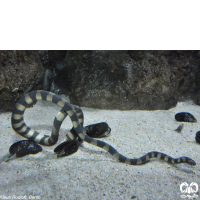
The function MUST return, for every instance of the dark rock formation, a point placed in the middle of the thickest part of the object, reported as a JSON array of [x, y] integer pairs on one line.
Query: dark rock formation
[[132, 79], [55, 76], [103, 79], [20, 72]]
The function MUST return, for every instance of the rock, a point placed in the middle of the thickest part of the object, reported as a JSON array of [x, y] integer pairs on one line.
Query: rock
[[98, 130], [125, 80], [20, 72], [185, 117], [197, 138], [66, 148], [145, 80], [56, 72], [179, 128], [48, 79], [24, 147]]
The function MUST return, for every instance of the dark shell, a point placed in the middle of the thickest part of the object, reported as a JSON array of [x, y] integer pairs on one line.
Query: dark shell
[[185, 117], [197, 138], [66, 148], [98, 130], [24, 147]]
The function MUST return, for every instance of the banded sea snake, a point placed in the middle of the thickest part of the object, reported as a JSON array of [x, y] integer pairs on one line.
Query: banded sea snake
[[77, 119]]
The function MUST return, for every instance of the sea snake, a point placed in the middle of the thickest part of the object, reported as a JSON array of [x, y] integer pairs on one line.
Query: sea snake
[[77, 119]]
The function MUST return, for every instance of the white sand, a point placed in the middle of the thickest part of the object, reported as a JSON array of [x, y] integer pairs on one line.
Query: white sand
[[92, 173]]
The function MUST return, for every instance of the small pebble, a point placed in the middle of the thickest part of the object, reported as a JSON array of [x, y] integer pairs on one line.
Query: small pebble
[[179, 128], [133, 197]]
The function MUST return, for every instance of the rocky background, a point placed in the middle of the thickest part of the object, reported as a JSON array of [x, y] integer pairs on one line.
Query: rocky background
[[143, 80]]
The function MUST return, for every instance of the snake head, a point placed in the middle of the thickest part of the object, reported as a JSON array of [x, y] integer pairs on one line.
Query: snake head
[[190, 161]]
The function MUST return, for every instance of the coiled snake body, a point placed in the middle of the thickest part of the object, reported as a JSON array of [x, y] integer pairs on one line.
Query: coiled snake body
[[77, 119]]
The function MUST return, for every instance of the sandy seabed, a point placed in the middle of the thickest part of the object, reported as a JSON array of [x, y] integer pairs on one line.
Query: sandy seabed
[[92, 173]]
